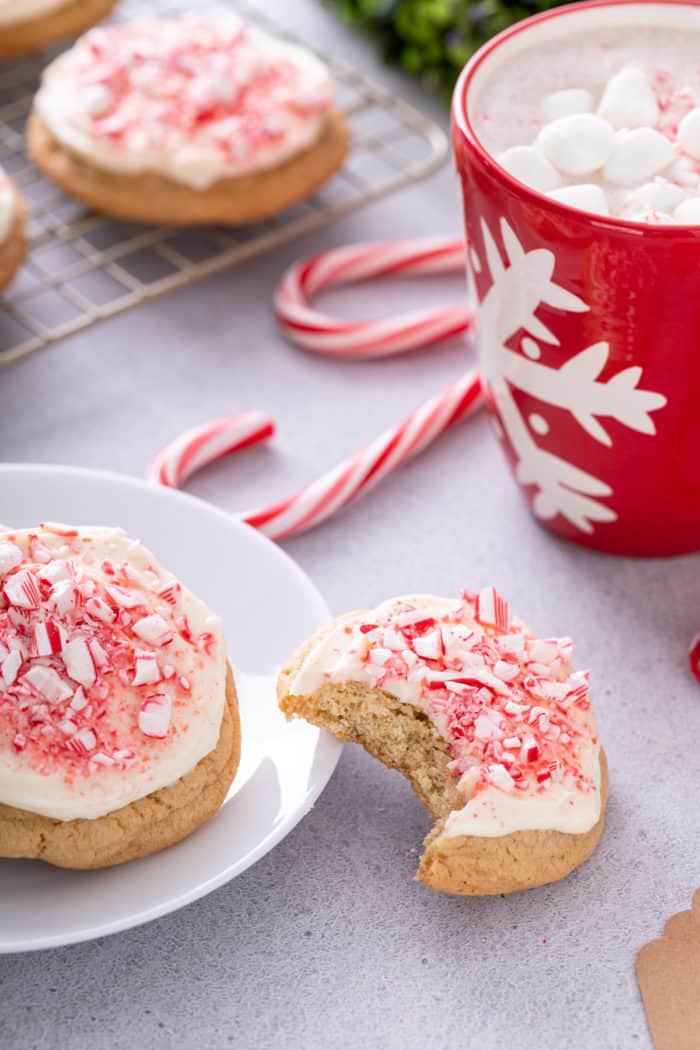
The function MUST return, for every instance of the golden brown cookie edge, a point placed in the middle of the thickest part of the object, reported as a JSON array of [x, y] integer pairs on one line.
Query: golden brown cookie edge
[[469, 865], [153, 198], [14, 247], [145, 826], [477, 866], [25, 38]]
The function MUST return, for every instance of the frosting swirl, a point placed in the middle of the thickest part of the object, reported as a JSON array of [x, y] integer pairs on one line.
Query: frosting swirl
[[516, 718], [190, 99], [112, 674]]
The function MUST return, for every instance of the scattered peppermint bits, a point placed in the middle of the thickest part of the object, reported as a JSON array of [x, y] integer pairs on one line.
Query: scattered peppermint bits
[[195, 99], [492, 609], [154, 715], [631, 150], [514, 714], [84, 686]]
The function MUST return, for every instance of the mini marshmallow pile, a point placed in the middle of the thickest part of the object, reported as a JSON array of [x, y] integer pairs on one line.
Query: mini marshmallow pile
[[635, 155]]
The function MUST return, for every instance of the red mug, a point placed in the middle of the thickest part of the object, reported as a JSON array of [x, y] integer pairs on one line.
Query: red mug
[[588, 332]]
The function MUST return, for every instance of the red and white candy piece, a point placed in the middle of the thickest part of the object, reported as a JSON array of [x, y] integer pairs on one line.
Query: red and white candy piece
[[154, 715], [201, 445], [492, 609], [349, 479], [323, 334]]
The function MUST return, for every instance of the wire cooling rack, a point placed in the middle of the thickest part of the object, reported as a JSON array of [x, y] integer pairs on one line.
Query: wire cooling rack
[[83, 267]]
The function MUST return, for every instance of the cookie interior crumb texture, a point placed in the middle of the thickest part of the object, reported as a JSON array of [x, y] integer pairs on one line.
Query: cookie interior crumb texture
[[403, 737]]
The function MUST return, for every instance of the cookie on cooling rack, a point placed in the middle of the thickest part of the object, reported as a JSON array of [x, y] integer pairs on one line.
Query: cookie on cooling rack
[[27, 26], [187, 121], [490, 724], [119, 727], [12, 222]]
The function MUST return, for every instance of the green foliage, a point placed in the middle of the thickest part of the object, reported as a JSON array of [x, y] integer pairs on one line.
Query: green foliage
[[434, 38]]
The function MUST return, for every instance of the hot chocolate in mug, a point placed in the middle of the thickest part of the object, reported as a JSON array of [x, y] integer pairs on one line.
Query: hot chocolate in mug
[[588, 323]]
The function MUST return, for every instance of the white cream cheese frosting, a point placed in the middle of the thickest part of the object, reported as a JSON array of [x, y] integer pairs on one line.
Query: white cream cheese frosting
[[193, 100], [517, 720], [112, 674], [13, 12]]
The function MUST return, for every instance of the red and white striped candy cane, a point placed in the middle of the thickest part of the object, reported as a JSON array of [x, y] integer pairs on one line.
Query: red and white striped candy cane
[[323, 334], [340, 486], [201, 445], [327, 335]]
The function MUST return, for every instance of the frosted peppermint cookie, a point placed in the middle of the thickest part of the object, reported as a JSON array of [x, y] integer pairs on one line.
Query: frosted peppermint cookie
[[490, 724], [119, 729], [29, 25], [12, 222], [187, 121]]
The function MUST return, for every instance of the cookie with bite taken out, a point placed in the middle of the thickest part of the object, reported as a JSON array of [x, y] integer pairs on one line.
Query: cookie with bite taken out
[[490, 724]]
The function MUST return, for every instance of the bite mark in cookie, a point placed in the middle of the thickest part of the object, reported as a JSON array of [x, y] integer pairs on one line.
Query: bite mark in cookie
[[490, 723]]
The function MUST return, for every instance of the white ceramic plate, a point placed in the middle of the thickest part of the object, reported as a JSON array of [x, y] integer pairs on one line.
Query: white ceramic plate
[[268, 606]]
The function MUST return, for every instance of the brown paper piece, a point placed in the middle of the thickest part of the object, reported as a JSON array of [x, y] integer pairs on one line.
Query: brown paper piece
[[668, 972]]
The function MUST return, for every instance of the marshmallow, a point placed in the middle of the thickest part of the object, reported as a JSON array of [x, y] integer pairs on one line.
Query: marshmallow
[[689, 133], [529, 166], [628, 100], [577, 145], [688, 212], [585, 196], [683, 171], [637, 155], [565, 103], [652, 218], [660, 195]]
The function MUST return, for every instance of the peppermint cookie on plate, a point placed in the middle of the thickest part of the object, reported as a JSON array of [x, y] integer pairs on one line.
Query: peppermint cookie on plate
[[119, 728], [12, 222], [29, 25], [489, 723], [187, 121]]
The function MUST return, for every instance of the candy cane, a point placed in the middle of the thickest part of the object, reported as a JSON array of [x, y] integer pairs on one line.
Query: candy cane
[[323, 334], [204, 444], [354, 476]]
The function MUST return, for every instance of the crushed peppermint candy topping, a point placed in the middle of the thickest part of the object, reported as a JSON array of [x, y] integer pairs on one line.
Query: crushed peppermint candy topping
[[200, 90], [513, 712], [77, 685]]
